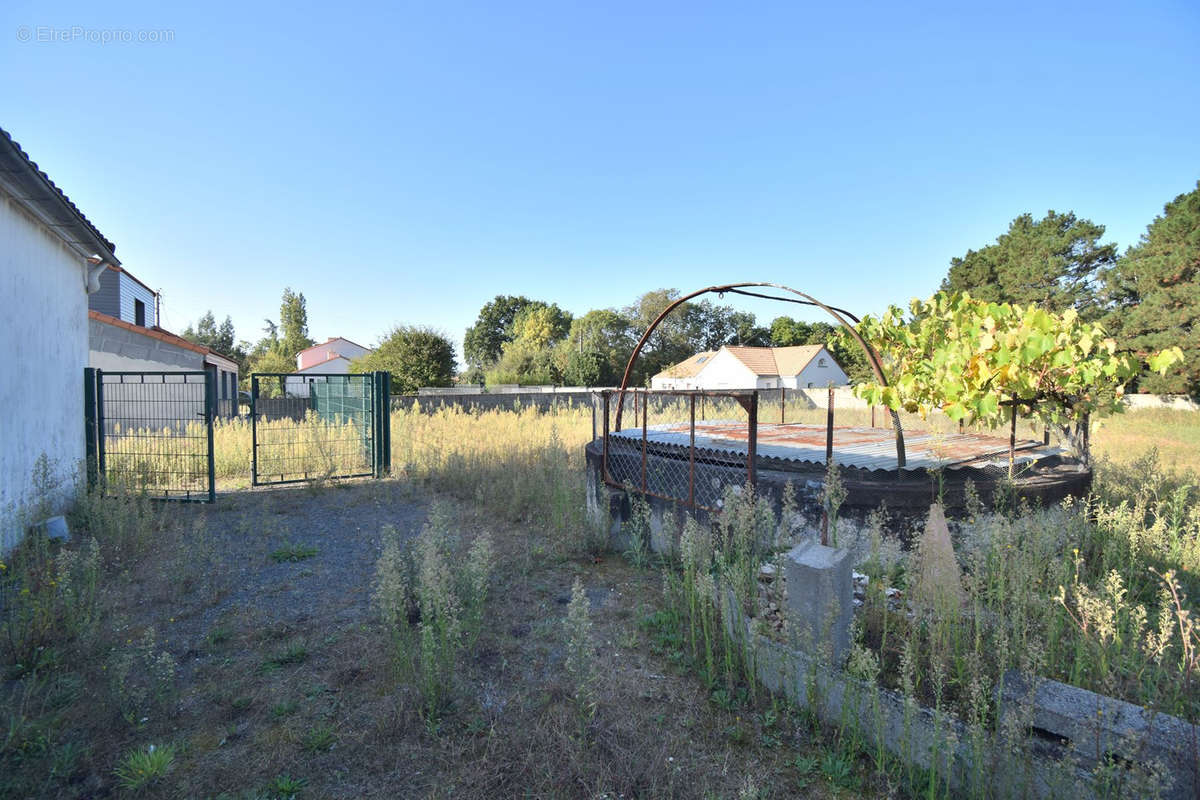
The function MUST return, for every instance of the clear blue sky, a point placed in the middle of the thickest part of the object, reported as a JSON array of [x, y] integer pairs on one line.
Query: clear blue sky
[[405, 162]]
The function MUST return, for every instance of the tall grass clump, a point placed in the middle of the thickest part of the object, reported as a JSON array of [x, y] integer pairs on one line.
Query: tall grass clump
[[523, 466], [431, 596], [49, 589]]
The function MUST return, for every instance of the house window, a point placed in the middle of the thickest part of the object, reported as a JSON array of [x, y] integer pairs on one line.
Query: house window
[[139, 313], [821, 362]]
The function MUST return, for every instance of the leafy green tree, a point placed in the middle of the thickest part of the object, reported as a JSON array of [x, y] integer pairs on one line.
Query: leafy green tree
[[788, 332], [585, 369], [207, 333], [1156, 289], [609, 337], [293, 321], [541, 325], [484, 341], [747, 332], [978, 360], [414, 356], [1054, 262]]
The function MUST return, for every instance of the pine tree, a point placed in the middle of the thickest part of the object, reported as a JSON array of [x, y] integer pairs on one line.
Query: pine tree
[[1156, 289]]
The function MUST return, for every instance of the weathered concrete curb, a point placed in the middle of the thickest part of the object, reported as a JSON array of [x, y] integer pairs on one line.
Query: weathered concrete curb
[[1057, 760]]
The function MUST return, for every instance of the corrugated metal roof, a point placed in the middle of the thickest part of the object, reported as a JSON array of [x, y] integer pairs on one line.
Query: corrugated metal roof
[[860, 448]]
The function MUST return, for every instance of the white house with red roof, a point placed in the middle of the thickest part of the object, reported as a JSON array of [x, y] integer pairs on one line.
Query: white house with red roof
[[331, 357], [737, 367]]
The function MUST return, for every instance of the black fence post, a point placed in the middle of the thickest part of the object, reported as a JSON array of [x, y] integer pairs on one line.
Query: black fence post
[[89, 426], [210, 410], [386, 427], [101, 465], [253, 430]]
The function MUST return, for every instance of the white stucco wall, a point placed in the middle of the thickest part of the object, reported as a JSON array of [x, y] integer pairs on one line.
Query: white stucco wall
[[298, 385], [820, 377], [724, 371], [319, 354], [41, 394]]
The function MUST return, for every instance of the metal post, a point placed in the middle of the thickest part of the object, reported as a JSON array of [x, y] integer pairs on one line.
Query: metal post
[[1046, 435], [829, 428], [692, 456], [101, 466], [643, 444], [387, 423], [752, 440], [781, 403], [872, 416], [604, 442], [254, 430], [210, 410], [1012, 436], [89, 425]]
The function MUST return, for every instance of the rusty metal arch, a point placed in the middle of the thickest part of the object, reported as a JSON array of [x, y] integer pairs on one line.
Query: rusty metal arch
[[838, 314]]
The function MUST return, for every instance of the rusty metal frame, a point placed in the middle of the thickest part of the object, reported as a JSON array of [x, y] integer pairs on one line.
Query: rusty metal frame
[[747, 398], [839, 314]]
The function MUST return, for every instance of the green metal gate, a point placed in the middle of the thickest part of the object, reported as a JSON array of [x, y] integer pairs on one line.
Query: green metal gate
[[309, 427], [150, 432]]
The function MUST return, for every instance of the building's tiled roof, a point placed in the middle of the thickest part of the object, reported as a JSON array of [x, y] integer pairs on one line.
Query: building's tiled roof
[[689, 368], [59, 195], [333, 339], [156, 332], [763, 361]]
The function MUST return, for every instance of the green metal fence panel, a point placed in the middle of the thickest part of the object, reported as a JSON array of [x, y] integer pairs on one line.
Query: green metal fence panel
[[151, 432], [308, 427]]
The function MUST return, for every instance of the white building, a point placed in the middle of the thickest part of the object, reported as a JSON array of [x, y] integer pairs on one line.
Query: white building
[[332, 357], [801, 367], [45, 279]]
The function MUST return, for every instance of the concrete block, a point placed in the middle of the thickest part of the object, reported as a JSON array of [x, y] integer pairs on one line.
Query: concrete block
[[820, 596], [1097, 728]]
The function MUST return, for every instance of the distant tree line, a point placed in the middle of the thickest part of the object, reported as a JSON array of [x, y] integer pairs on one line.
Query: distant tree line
[[519, 340]]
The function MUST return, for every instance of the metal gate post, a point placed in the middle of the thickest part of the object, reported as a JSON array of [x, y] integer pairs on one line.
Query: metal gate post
[[385, 425], [101, 466], [89, 426], [254, 430], [210, 408]]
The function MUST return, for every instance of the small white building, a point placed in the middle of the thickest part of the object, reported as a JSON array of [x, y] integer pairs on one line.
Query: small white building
[[51, 258], [332, 357], [800, 367]]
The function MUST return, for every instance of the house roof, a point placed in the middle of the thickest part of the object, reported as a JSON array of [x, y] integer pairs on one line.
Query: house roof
[[330, 341], [759, 360], [157, 333], [776, 360], [34, 190], [689, 368]]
